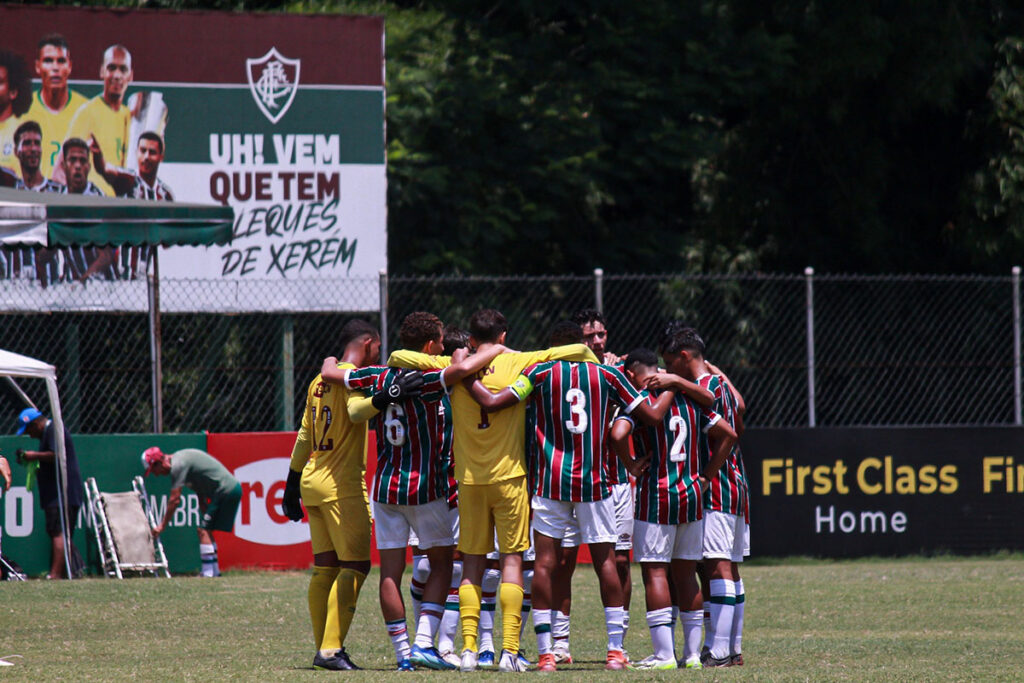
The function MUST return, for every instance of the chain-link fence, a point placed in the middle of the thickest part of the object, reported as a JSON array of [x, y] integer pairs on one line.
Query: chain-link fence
[[822, 350]]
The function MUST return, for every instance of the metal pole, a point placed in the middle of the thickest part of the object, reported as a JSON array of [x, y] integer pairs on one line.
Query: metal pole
[[153, 282], [812, 420], [1016, 346], [288, 373], [383, 313], [599, 289]]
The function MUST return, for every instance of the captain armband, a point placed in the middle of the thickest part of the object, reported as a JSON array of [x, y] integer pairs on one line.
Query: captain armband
[[522, 387]]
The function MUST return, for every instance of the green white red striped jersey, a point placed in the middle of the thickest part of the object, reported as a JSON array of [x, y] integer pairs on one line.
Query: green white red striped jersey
[[728, 490], [412, 435], [567, 423], [669, 493]]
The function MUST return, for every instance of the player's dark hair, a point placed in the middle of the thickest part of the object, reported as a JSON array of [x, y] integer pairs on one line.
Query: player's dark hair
[[150, 135], [74, 143], [353, 329], [487, 324], [669, 330], [27, 127], [55, 39], [454, 338], [565, 332], [588, 316], [419, 328], [686, 339], [17, 79], [640, 356]]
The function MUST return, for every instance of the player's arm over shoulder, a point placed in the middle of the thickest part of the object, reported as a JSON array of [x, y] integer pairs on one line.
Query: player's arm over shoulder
[[404, 358], [576, 352]]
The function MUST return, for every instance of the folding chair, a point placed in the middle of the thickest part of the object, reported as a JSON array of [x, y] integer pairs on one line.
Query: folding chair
[[122, 523]]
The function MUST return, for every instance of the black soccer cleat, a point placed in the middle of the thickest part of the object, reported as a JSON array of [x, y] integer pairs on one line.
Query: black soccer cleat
[[338, 662]]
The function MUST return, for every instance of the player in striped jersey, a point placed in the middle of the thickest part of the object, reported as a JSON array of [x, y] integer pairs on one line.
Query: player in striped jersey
[[726, 530], [672, 468], [81, 263], [21, 261], [410, 485], [143, 184], [327, 470], [490, 467], [566, 425]]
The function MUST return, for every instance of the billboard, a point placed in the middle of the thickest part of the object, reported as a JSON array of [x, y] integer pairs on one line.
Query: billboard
[[279, 116], [854, 492]]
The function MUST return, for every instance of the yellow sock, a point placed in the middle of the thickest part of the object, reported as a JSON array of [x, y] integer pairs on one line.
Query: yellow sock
[[347, 585], [469, 612], [510, 596], [319, 592]]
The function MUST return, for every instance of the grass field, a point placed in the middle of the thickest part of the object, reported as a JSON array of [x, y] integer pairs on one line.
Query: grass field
[[806, 620]]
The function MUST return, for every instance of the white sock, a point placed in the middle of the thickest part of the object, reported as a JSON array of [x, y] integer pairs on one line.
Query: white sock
[[625, 623], [527, 602], [450, 619], [659, 621], [708, 635], [420, 572], [736, 642], [692, 622], [399, 635], [613, 624], [208, 559], [542, 627], [488, 601], [560, 628], [723, 599], [426, 625]]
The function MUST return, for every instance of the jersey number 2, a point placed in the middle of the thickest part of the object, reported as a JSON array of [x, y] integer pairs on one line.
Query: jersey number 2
[[677, 425]]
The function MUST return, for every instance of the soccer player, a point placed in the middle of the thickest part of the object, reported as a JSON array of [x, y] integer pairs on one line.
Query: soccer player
[[726, 531], [28, 147], [491, 471], [15, 99], [327, 470], [567, 419], [672, 468], [410, 485], [105, 117], [142, 184], [83, 262], [55, 104]]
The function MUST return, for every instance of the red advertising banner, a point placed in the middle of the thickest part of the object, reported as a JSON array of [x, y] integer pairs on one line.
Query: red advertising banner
[[263, 536]]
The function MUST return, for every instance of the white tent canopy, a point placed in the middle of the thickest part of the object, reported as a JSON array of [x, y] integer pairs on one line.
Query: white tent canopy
[[15, 365]]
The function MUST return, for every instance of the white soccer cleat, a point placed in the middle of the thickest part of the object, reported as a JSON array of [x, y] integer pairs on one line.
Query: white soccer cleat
[[510, 663], [468, 661], [561, 653], [451, 658]]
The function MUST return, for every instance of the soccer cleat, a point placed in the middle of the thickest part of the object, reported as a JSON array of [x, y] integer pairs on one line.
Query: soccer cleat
[[524, 660], [546, 663], [510, 663], [406, 665], [429, 657], [468, 661], [561, 653], [737, 659], [653, 663], [615, 661], [336, 662], [451, 658], [486, 658], [693, 664], [710, 662]]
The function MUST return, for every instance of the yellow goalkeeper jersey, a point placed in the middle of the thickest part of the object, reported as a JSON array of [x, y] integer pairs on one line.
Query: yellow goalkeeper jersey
[[331, 445], [490, 447], [55, 125]]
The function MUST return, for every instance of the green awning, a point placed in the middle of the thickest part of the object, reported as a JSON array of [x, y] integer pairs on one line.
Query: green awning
[[47, 219]]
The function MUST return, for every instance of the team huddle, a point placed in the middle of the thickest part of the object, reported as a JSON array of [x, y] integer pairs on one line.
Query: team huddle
[[494, 465]]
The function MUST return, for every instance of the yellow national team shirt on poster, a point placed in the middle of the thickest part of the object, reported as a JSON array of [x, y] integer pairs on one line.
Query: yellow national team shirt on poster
[[7, 156], [55, 125], [336, 464], [111, 130], [491, 447]]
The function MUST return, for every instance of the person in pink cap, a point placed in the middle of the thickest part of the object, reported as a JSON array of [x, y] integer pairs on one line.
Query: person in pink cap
[[219, 494]]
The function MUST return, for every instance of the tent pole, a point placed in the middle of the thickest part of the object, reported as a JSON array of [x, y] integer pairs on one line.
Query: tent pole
[[153, 282], [61, 467]]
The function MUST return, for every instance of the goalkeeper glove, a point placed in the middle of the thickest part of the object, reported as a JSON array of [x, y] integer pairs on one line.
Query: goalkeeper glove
[[291, 504], [408, 385]]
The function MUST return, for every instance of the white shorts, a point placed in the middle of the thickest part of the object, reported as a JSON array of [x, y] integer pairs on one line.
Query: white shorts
[[667, 542], [596, 520], [622, 497], [571, 538], [431, 523], [746, 540], [723, 536]]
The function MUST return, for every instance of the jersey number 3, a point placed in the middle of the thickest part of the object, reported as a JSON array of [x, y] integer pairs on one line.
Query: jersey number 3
[[577, 401]]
